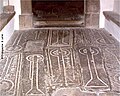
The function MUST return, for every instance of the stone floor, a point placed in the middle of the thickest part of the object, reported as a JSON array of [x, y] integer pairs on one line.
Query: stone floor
[[61, 62]]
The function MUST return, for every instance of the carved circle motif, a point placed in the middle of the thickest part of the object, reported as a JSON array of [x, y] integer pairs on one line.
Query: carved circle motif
[[14, 49], [117, 78], [87, 50], [6, 85], [56, 52], [101, 41], [30, 57]]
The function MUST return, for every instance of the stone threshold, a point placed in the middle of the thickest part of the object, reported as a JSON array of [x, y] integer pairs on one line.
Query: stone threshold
[[58, 24], [5, 18], [110, 15]]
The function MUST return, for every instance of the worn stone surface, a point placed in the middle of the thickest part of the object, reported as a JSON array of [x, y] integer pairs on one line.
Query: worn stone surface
[[26, 21], [61, 62], [110, 94], [95, 20], [26, 6], [5, 18], [8, 9], [114, 17], [92, 5]]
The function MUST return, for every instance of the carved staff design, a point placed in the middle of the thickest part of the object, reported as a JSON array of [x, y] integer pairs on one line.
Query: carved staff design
[[34, 59], [61, 54], [95, 80]]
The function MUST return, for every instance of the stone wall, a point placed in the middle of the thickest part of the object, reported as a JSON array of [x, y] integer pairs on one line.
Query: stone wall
[[25, 19], [92, 11]]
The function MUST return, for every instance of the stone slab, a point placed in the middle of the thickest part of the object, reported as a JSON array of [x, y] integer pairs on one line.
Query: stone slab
[[5, 18], [8, 9], [60, 62]]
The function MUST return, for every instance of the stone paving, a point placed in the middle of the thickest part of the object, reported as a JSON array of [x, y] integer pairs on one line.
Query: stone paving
[[61, 62]]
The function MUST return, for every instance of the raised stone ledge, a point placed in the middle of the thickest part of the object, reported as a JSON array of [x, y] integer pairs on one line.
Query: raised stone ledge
[[5, 18], [114, 17]]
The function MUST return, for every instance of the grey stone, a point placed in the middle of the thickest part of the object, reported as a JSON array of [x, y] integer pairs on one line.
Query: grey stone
[[92, 6], [60, 62], [25, 21], [8, 9]]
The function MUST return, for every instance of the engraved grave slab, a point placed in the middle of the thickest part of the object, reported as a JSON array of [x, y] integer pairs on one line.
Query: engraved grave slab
[[54, 61], [61, 68], [33, 75], [93, 71], [58, 37]]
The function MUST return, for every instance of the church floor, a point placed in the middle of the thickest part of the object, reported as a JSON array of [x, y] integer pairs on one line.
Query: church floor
[[61, 62]]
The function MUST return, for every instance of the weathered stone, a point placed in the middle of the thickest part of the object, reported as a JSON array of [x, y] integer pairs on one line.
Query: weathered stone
[[87, 20], [26, 6], [109, 94], [114, 17], [5, 18], [8, 9], [95, 20], [60, 62], [93, 6], [26, 21], [71, 92], [55, 18]]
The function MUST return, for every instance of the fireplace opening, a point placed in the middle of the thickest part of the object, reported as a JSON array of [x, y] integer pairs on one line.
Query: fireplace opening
[[45, 11]]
